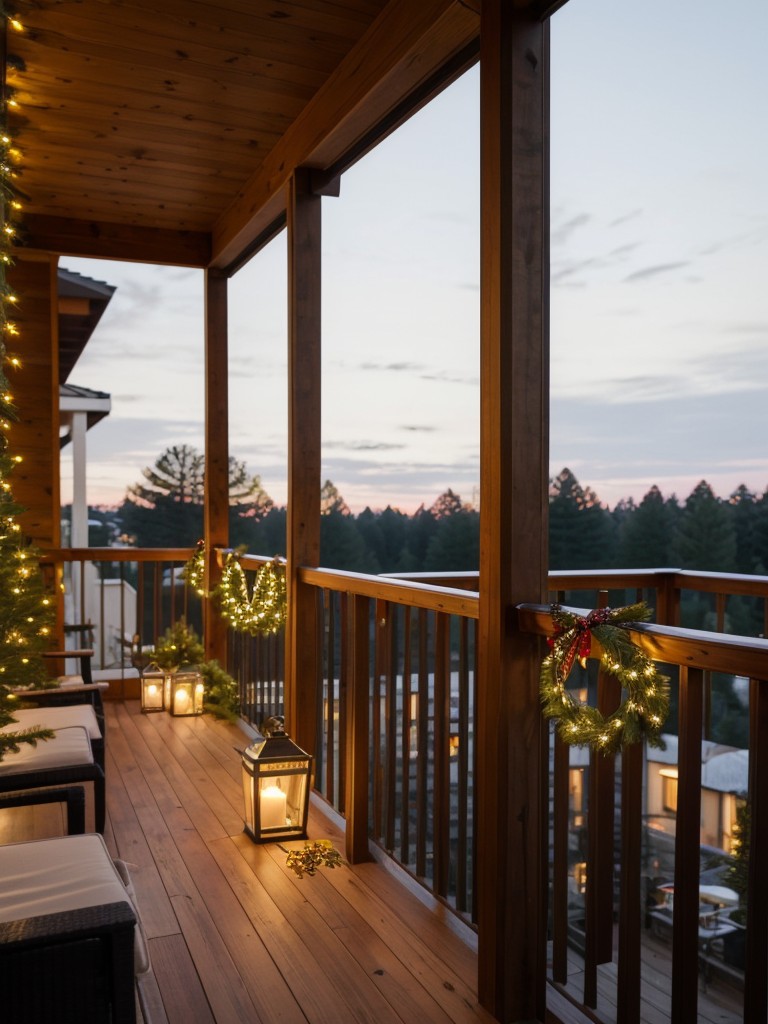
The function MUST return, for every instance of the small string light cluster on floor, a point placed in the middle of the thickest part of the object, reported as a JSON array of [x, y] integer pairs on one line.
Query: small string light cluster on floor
[[645, 695]]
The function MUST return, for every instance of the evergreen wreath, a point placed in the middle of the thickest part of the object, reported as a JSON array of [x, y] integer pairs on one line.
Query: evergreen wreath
[[264, 611], [645, 703]]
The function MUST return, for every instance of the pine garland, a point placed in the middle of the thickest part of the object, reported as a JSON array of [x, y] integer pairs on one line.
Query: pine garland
[[194, 571], [264, 611], [645, 702]]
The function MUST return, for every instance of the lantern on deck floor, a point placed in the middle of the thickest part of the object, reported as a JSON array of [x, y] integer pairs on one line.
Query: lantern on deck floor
[[185, 693], [276, 776], [152, 690]]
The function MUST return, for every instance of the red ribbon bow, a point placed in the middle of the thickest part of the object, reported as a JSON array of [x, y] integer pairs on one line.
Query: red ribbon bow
[[575, 641]]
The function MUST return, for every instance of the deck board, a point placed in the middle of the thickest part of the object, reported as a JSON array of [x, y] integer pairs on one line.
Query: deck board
[[234, 935]]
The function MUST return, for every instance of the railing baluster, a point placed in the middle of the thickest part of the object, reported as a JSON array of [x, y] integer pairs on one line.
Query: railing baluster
[[440, 760], [462, 764], [389, 667], [405, 741], [628, 981], [560, 825], [422, 742], [685, 934], [755, 976]]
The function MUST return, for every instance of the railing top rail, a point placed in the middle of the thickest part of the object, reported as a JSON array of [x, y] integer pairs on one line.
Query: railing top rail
[[716, 652], [116, 555], [419, 595]]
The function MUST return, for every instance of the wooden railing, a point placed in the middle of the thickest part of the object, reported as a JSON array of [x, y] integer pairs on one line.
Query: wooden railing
[[396, 750], [113, 594]]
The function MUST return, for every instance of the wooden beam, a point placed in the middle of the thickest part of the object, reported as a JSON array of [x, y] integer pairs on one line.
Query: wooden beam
[[512, 757], [303, 527], [216, 507], [403, 47], [96, 240]]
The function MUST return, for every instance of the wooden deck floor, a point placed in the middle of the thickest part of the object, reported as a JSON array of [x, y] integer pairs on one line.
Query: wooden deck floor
[[236, 937]]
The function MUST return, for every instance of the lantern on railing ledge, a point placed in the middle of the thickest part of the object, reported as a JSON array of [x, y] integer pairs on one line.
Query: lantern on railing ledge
[[186, 691], [276, 777], [152, 690]]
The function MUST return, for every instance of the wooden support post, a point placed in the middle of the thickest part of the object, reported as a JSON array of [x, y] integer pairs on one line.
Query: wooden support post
[[216, 510], [512, 747], [303, 528]]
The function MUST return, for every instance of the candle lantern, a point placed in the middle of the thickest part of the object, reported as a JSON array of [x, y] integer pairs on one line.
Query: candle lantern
[[276, 776], [152, 690], [185, 693]]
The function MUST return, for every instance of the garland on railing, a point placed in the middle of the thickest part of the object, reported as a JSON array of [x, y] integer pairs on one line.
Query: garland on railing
[[262, 612], [194, 571], [645, 703]]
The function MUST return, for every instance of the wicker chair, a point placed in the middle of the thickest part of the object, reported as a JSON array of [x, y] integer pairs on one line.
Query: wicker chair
[[65, 759], [71, 944]]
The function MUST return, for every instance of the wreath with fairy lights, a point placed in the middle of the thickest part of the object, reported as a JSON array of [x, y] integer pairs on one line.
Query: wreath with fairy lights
[[645, 695], [262, 611]]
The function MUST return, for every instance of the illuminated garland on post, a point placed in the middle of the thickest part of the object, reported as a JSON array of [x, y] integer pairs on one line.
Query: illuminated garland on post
[[645, 703], [194, 571], [263, 612]]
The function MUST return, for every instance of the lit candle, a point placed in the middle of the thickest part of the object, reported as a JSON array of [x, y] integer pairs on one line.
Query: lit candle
[[199, 690], [272, 807], [180, 701]]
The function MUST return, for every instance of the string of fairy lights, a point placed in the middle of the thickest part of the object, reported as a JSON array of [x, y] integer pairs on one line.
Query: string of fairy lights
[[26, 616], [260, 612]]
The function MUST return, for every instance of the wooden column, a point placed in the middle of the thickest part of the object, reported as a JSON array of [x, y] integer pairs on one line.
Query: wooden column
[[303, 527], [35, 389], [512, 749], [216, 512]]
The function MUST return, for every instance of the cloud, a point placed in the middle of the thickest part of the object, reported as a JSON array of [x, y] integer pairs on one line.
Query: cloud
[[362, 446], [632, 215], [561, 233], [418, 429], [655, 271], [393, 367]]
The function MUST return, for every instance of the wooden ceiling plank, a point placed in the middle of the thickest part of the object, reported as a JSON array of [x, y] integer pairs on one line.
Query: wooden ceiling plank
[[151, 163], [275, 20], [194, 60], [71, 237], [82, 77], [392, 37], [136, 132]]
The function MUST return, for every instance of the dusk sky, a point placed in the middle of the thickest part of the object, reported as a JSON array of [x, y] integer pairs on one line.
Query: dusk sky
[[659, 305]]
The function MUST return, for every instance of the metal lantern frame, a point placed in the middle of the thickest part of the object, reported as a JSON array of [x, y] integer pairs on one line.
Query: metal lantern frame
[[276, 785], [185, 693], [152, 690]]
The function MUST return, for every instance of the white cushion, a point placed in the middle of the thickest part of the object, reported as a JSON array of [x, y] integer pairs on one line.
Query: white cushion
[[67, 747], [56, 717], [48, 876]]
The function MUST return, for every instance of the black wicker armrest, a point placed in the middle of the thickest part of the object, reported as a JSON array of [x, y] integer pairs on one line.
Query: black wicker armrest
[[72, 967], [68, 925], [73, 796]]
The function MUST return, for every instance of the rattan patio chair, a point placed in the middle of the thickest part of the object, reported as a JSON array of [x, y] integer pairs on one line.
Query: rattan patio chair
[[71, 944], [65, 759], [72, 796]]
